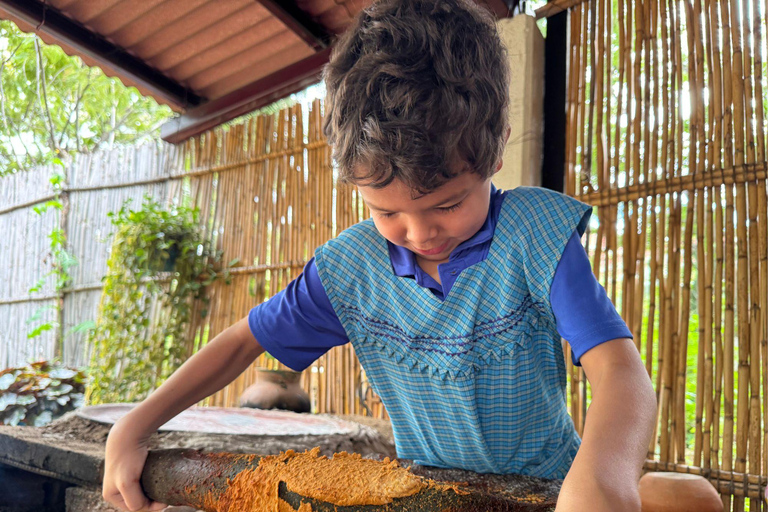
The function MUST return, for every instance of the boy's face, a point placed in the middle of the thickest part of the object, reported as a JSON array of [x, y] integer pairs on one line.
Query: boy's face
[[434, 224]]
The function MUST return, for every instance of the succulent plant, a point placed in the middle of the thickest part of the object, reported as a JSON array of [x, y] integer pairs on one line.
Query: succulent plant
[[36, 394]]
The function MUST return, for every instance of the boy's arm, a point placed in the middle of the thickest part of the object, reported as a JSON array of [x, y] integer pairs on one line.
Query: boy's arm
[[212, 368], [617, 432]]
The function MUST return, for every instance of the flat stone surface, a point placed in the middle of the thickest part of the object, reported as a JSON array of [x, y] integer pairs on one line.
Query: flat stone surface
[[72, 448], [228, 420]]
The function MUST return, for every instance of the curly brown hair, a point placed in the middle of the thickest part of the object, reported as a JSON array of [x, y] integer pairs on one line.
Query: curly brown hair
[[417, 90]]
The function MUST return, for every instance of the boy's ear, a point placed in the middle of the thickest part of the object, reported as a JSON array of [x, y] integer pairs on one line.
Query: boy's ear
[[501, 160]]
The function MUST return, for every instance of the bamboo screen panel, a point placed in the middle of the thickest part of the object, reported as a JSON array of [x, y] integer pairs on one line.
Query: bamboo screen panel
[[92, 185], [666, 138], [268, 195], [23, 247]]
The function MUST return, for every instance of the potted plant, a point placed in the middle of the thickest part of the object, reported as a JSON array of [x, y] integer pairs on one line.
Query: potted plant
[[159, 255], [36, 394]]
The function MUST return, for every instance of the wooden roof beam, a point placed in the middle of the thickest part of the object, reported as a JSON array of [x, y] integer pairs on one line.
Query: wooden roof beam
[[50, 21], [299, 22], [247, 99]]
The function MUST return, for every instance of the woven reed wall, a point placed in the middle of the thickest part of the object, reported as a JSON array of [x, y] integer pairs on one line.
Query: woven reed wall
[[666, 137], [93, 185], [23, 248]]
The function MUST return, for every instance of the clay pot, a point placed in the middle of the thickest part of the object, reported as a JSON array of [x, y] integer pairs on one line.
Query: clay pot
[[276, 389], [678, 492]]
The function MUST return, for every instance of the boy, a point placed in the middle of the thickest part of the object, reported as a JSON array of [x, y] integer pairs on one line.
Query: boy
[[454, 295]]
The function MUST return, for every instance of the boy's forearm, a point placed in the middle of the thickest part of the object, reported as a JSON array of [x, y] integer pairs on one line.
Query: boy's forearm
[[617, 432], [212, 368]]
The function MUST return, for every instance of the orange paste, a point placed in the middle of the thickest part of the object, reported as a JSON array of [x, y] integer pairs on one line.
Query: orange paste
[[345, 480]]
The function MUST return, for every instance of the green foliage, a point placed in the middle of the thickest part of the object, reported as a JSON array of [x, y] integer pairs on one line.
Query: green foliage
[[53, 105], [135, 346], [37, 394], [62, 262]]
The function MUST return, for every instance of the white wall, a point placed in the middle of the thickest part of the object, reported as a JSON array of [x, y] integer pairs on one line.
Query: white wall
[[523, 153]]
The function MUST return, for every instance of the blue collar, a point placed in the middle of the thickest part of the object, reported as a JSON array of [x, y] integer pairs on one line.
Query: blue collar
[[466, 254]]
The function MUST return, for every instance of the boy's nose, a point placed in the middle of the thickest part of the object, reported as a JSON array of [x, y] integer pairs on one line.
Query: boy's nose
[[420, 233]]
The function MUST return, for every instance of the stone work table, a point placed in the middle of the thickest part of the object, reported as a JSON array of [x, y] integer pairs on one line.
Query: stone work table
[[72, 450]]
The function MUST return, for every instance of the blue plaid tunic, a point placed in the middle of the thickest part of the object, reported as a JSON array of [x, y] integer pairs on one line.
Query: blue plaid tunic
[[476, 381]]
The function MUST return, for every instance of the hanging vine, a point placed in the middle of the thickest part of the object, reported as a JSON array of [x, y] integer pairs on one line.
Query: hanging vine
[[159, 264]]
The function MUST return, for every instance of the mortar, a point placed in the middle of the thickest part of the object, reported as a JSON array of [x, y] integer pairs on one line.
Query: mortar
[[192, 478]]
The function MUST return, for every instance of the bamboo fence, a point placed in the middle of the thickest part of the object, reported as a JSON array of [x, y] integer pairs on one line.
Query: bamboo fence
[[666, 138]]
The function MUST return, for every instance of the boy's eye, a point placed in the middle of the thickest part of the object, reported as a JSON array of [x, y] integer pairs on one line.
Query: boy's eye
[[385, 215], [448, 209]]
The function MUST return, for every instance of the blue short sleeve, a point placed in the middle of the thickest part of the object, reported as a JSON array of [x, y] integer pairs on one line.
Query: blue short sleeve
[[298, 324], [585, 315]]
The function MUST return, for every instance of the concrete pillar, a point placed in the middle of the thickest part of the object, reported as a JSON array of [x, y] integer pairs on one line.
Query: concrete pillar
[[523, 153]]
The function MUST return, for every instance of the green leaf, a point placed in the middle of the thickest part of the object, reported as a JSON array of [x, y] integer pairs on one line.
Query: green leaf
[[55, 203], [57, 237], [43, 418], [25, 399], [38, 286], [43, 383], [7, 399], [14, 416], [59, 390], [39, 330], [62, 373], [6, 380], [38, 314], [86, 326]]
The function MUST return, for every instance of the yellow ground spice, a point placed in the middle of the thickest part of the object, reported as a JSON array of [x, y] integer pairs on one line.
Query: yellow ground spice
[[344, 480]]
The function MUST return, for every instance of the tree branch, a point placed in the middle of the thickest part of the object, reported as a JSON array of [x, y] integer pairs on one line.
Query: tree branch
[[114, 127], [77, 112], [44, 102], [2, 106]]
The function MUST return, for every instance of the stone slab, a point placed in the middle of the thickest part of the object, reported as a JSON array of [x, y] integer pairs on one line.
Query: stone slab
[[230, 420], [72, 448]]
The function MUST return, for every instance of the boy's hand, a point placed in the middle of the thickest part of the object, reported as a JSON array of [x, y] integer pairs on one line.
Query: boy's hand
[[212, 368], [124, 461]]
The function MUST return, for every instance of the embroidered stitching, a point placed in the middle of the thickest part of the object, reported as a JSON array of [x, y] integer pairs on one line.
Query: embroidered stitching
[[383, 329]]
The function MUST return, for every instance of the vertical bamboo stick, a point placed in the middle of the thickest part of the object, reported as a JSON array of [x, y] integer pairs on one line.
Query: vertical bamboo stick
[[755, 295], [711, 404], [742, 416]]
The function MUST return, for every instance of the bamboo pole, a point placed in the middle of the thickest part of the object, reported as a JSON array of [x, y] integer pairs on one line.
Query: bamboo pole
[[742, 416]]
